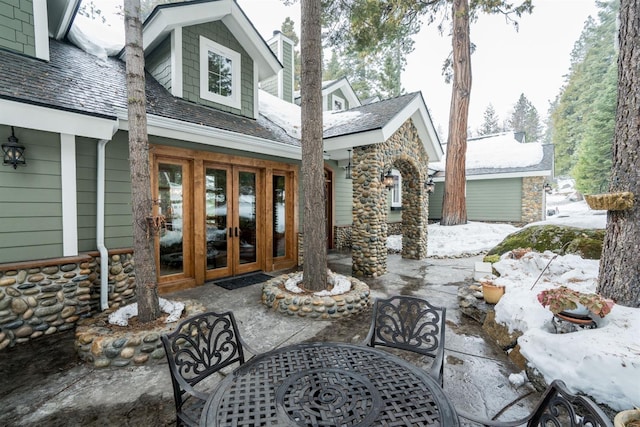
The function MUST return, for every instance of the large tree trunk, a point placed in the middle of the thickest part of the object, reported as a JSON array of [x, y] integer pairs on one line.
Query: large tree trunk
[[454, 208], [315, 247], [619, 267], [146, 287]]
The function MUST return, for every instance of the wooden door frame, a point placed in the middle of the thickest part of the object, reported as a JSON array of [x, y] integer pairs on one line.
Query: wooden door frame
[[329, 204], [186, 278], [198, 159]]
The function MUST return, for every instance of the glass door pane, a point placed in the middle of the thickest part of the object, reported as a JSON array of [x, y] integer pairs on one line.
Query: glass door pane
[[279, 217], [170, 194], [217, 217], [247, 210]]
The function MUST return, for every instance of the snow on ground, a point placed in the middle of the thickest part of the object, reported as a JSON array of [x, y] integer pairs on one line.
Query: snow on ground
[[603, 363]]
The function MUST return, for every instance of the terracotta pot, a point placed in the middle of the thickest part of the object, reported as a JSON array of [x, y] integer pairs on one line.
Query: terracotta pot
[[624, 418], [492, 293]]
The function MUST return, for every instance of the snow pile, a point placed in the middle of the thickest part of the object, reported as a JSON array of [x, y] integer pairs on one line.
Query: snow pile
[[467, 239], [121, 316], [341, 284], [603, 363]]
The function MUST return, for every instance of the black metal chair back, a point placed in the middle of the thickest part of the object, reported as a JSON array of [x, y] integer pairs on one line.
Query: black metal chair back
[[558, 407], [411, 324], [199, 347]]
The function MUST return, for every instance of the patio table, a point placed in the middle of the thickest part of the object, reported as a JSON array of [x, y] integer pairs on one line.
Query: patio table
[[328, 384]]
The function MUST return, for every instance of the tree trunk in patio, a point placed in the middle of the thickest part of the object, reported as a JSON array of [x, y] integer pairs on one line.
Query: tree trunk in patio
[[315, 248], [142, 210]]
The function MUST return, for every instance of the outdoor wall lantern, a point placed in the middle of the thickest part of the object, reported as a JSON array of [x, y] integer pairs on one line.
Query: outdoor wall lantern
[[13, 151], [387, 180], [430, 186], [347, 170]]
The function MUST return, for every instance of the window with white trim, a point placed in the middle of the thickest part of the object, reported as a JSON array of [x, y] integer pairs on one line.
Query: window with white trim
[[219, 73], [337, 104], [396, 190]]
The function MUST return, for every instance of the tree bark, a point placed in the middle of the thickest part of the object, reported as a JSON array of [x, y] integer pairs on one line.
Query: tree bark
[[315, 247], [619, 277], [141, 205], [454, 208]]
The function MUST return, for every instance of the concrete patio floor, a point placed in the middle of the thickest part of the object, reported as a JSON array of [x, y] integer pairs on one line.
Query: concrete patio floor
[[476, 375]]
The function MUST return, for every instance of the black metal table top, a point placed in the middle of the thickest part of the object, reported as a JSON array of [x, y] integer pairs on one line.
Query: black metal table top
[[328, 384]]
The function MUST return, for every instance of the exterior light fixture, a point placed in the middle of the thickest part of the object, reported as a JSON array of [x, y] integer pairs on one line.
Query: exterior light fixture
[[347, 170], [387, 180], [547, 188], [430, 186], [13, 151]]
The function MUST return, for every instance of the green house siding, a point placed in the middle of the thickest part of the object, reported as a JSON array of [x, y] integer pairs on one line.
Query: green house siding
[[16, 26], [118, 223], [158, 63], [487, 200], [287, 60], [435, 201], [219, 33], [31, 195], [86, 160], [270, 85], [343, 196], [494, 200]]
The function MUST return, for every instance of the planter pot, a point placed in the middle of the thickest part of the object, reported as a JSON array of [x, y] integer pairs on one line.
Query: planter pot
[[579, 311], [630, 418], [492, 293], [610, 201]]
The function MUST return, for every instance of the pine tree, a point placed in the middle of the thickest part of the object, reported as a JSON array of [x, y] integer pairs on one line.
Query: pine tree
[[491, 122], [593, 55], [525, 119], [593, 166], [332, 69]]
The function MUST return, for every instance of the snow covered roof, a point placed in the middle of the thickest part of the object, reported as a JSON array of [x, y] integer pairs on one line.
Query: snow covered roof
[[367, 124], [503, 153]]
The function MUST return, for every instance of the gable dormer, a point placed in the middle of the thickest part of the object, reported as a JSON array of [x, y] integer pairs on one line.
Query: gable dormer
[[282, 84], [337, 95], [208, 53], [24, 27]]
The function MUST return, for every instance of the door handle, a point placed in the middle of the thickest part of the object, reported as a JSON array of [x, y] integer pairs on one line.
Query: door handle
[[236, 231], [230, 232]]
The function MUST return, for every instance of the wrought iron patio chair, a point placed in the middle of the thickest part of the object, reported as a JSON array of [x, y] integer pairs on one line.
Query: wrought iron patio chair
[[199, 347], [558, 407], [411, 324]]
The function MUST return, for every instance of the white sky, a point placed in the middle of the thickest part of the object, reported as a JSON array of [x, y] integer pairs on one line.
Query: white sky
[[505, 64]]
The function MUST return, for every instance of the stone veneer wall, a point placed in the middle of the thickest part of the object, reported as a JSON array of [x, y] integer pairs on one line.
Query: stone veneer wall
[[532, 196], [405, 152], [44, 297]]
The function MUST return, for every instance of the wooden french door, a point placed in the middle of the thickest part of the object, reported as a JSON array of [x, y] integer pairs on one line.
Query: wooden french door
[[174, 198], [233, 219]]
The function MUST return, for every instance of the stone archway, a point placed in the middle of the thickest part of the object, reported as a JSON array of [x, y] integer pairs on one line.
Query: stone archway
[[405, 152]]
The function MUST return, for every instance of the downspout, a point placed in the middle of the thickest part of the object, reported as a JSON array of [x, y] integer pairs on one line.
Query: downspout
[[104, 253]]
